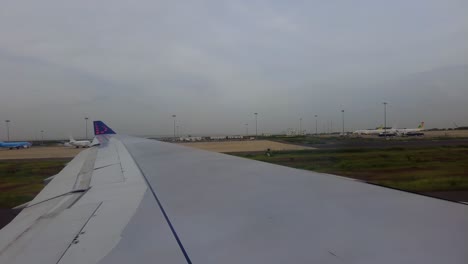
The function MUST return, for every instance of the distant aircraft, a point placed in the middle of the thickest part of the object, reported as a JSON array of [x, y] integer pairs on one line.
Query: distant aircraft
[[79, 143], [389, 133], [408, 131], [16, 145], [369, 131]]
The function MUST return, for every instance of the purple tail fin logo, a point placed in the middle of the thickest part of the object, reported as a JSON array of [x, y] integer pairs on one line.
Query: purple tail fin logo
[[102, 129]]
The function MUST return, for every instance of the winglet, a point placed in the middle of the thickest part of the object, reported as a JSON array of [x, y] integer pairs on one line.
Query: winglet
[[102, 129]]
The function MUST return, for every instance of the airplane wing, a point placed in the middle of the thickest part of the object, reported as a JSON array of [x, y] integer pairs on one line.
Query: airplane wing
[[134, 200]]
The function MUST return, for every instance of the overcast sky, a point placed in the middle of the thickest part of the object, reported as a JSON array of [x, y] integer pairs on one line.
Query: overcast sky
[[214, 63]]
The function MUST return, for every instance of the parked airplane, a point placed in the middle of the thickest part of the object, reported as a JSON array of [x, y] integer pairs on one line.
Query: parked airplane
[[133, 200], [404, 131], [15, 145], [79, 143], [389, 133], [369, 131]]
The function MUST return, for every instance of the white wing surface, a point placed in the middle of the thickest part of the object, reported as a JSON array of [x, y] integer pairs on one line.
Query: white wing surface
[[133, 200]]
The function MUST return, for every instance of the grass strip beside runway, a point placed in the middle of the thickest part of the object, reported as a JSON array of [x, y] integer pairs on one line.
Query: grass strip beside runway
[[412, 169], [22, 180]]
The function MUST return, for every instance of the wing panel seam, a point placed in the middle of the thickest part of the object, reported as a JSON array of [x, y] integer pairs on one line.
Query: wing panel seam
[[81, 229], [174, 233]]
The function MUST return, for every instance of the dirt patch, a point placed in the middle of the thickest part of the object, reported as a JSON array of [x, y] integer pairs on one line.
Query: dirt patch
[[39, 153], [244, 146]]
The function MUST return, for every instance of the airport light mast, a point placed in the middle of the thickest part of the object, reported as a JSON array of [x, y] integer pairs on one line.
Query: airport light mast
[[174, 117], [256, 131], [86, 132], [300, 126], [385, 117], [342, 117], [42, 137], [316, 125], [247, 129], [8, 129]]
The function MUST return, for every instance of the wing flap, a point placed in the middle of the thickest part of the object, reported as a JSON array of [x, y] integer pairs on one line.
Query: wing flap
[[107, 175], [127, 211], [74, 176], [29, 246]]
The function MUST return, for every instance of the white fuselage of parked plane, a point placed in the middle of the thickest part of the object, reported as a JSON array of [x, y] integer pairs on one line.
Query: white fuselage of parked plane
[[404, 131], [369, 131], [79, 143]]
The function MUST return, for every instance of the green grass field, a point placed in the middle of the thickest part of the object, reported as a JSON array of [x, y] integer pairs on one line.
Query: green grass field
[[412, 169], [21, 180]]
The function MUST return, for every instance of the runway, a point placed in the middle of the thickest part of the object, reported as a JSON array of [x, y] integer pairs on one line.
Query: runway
[[244, 146], [36, 152]]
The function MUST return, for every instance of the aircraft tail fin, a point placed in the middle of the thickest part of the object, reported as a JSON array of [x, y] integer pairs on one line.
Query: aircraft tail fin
[[71, 138], [421, 125], [102, 129]]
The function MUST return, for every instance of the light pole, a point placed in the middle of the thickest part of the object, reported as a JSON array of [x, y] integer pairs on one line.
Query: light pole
[[247, 129], [385, 117], [174, 116], [177, 130], [86, 120], [342, 116], [300, 126], [256, 131], [42, 137], [8, 129], [316, 125]]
